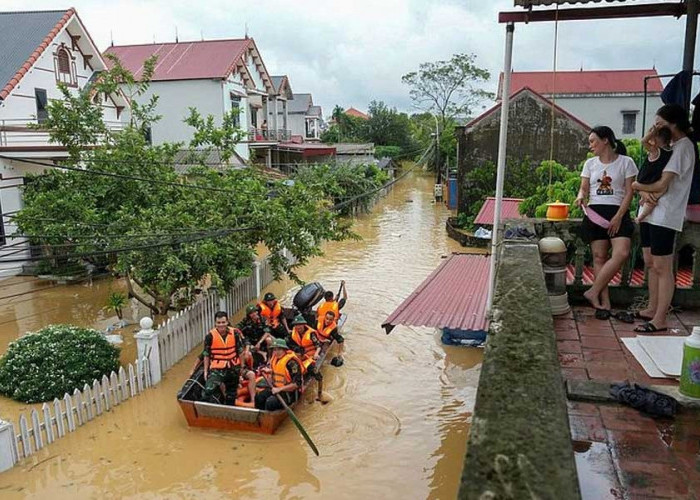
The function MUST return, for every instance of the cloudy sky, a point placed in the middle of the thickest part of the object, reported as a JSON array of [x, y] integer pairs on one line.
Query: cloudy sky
[[351, 52]]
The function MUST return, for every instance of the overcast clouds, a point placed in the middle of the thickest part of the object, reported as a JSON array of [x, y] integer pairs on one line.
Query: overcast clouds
[[350, 52]]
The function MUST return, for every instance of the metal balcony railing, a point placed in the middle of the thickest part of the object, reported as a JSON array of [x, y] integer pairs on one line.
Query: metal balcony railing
[[18, 132], [268, 135]]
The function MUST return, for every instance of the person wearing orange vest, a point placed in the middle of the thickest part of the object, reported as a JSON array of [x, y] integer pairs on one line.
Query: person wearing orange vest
[[271, 310], [331, 304], [327, 332], [224, 350], [305, 343], [256, 334], [285, 373]]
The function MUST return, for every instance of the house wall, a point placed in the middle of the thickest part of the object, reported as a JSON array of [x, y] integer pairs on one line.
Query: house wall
[[234, 83], [297, 123], [529, 136], [607, 110]]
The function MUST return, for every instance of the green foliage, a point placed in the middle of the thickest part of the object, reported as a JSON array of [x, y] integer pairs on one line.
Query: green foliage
[[387, 151], [386, 126], [564, 187], [55, 360], [345, 128], [116, 302]]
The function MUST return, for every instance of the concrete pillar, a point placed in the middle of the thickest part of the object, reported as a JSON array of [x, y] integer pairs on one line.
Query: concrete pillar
[[277, 125], [8, 454], [147, 347]]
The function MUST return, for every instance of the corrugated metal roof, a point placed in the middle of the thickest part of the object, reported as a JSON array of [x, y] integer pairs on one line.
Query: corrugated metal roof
[[528, 3], [509, 210], [21, 34], [453, 296], [184, 60]]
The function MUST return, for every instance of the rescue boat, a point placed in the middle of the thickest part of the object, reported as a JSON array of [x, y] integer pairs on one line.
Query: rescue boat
[[200, 413]]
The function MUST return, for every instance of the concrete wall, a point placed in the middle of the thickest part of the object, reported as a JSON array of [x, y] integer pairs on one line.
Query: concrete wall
[[519, 443], [297, 123], [607, 110]]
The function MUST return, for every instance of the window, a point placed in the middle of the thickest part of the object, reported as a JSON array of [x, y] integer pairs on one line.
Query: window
[[629, 122], [41, 104], [253, 117], [64, 66], [236, 110]]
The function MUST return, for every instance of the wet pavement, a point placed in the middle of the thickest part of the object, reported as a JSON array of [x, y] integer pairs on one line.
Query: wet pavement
[[396, 428], [620, 452]]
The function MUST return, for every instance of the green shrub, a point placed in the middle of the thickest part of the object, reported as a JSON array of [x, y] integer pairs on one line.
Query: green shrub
[[387, 151], [57, 359]]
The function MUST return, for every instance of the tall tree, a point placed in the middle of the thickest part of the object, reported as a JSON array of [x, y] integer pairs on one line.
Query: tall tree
[[448, 88]]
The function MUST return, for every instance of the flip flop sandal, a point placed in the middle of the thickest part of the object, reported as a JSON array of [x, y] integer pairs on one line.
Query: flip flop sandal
[[649, 327], [624, 316], [602, 314], [639, 316]]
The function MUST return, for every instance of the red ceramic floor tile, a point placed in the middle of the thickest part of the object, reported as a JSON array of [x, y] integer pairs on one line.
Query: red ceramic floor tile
[[638, 446], [571, 360], [574, 373], [653, 479], [569, 346], [603, 355], [581, 408], [568, 334], [600, 343], [596, 473], [587, 428], [622, 418], [608, 371]]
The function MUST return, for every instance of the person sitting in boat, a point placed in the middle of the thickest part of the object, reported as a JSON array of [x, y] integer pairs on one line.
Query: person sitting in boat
[[256, 334], [328, 331], [271, 311], [332, 304], [224, 353], [305, 343], [285, 373]]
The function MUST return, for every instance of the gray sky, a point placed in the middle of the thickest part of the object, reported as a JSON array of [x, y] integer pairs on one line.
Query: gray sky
[[350, 52]]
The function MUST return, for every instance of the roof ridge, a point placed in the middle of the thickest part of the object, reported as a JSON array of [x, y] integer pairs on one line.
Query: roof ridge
[[34, 11], [182, 42]]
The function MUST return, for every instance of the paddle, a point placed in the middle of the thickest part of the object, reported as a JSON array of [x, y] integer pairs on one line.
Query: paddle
[[294, 418]]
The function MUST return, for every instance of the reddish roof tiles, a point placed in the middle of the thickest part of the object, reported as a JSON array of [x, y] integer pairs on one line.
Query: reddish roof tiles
[[583, 82], [509, 210], [356, 113]]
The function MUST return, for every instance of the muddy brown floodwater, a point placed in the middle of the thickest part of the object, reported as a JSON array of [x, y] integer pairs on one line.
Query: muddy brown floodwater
[[396, 428]]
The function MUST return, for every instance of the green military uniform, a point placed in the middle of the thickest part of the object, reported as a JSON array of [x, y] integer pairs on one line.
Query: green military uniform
[[227, 376]]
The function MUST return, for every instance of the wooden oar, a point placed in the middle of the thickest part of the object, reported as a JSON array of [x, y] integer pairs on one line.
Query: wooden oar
[[294, 418]]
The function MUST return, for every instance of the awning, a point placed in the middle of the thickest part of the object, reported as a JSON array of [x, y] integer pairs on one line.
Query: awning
[[453, 296]]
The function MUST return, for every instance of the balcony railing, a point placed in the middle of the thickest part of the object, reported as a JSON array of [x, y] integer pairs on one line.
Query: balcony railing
[[268, 135], [18, 132]]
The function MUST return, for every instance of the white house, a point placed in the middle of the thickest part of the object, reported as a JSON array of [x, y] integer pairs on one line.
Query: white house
[[215, 77], [608, 97], [305, 119], [39, 50]]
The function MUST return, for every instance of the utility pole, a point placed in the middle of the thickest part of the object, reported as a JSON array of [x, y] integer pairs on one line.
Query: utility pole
[[437, 150], [691, 29]]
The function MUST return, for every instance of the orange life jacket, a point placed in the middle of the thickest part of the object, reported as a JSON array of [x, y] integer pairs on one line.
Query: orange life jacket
[[331, 306], [223, 351], [304, 340], [271, 315], [280, 372], [325, 331]]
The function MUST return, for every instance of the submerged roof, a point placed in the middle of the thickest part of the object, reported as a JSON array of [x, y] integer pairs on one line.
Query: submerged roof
[[509, 210], [23, 38], [453, 296]]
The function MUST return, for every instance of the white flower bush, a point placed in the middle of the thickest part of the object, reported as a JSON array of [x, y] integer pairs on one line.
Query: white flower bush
[[57, 359]]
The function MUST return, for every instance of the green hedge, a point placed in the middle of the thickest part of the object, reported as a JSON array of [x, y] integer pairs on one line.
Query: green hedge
[[57, 359]]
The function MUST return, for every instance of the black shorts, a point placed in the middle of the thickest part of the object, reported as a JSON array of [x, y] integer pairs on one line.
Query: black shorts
[[659, 239], [591, 231]]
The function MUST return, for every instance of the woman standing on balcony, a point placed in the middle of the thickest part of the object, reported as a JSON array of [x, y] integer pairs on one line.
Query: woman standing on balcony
[[658, 231], [606, 182]]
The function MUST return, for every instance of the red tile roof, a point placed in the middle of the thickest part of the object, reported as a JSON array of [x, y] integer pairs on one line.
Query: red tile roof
[[684, 277], [356, 113], [520, 92], [184, 60], [509, 210], [584, 82], [453, 296], [21, 71]]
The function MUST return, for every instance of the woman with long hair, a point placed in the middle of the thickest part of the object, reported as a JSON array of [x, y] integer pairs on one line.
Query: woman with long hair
[[658, 232], [605, 195]]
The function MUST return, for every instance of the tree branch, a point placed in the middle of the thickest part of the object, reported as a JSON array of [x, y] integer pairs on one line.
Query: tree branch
[[133, 294]]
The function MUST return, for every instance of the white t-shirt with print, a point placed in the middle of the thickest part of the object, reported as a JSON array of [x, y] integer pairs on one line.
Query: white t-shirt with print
[[670, 212], [608, 180]]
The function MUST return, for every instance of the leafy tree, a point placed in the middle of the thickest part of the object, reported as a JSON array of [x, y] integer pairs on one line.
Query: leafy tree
[[448, 88], [388, 127], [345, 128], [166, 238]]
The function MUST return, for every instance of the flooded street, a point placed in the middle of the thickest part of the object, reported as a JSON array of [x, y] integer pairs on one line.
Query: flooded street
[[396, 428]]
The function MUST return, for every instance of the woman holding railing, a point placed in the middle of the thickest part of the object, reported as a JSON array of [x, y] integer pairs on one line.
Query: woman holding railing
[[605, 195]]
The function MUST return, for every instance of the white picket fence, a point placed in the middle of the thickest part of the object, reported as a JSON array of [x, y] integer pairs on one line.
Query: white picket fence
[[186, 330], [65, 415]]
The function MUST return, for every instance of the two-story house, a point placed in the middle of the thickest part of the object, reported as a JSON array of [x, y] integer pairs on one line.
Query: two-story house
[[39, 50], [215, 77], [305, 119], [608, 97]]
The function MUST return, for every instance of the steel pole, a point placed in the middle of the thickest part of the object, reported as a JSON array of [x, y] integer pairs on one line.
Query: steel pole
[[691, 29], [501, 165], [437, 150]]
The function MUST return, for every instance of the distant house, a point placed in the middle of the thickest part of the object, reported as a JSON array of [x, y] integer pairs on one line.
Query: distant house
[[609, 97], [278, 116], [39, 50], [355, 154], [215, 77], [356, 113], [530, 136], [305, 119]]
